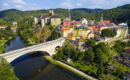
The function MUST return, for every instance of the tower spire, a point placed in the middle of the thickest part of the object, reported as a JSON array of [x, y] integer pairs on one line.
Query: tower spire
[[101, 18], [69, 14]]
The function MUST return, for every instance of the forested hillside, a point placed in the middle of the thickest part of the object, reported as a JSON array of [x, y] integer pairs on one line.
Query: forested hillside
[[17, 15], [117, 15]]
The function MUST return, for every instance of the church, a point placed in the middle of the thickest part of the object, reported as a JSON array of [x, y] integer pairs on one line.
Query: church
[[51, 19]]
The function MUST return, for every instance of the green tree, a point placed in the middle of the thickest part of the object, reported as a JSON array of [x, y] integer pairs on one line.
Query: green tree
[[74, 54], [0, 36], [59, 55], [90, 43], [81, 56], [98, 56], [118, 47], [106, 32], [119, 73], [45, 33], [6, 71], [89, 55], [55, 35], [103, 52], [114, 33]]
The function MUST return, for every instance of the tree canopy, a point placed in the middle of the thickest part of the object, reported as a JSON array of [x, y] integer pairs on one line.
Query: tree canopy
[[6, 71], [108, 33]]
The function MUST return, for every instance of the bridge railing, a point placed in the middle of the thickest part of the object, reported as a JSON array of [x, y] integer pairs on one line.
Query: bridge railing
[[31, 47]]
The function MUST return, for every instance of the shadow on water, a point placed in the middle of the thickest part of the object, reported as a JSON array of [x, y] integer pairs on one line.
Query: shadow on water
[[28, 56], [33, 66]]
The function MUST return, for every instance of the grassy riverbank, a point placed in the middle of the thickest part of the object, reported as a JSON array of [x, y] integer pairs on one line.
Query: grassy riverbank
[[68, 68], [2, 43]]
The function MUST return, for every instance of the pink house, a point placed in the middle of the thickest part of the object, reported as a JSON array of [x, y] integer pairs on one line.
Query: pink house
[[66, 23]]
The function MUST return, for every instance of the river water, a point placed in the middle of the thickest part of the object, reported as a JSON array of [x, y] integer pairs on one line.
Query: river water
[[33, 66]]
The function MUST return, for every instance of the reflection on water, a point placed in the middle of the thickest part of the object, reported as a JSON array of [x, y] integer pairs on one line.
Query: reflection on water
[[14, 44]]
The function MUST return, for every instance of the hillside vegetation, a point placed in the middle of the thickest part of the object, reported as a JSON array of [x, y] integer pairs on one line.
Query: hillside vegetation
[[117, 15]]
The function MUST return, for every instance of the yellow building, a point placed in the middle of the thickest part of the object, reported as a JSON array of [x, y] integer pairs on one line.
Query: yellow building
[[81, 31]]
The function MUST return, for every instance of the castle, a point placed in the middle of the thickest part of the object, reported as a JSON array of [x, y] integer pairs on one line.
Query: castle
[[48, 19]]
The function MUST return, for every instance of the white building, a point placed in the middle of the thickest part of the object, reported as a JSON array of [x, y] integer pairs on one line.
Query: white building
[[35, 20], [14, 23], [118, 33], [90, 35], [84, 21], [124, 26], [42, 23]]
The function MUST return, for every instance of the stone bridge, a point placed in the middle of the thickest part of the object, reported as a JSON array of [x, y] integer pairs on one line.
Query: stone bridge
[[48, 47]]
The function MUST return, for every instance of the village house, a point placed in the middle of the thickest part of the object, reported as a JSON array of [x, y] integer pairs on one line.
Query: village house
[[81, 31], [84, 21], [71, 37], [124, 26], [67, 22], [85, 29], [65, 31], [91, 22], [90, 35]]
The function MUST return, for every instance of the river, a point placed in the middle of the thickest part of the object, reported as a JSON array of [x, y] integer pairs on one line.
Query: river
[[33, 66]]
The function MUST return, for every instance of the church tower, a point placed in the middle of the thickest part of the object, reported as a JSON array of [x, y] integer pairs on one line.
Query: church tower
[[69, 17], [51, 12], [101, 19]]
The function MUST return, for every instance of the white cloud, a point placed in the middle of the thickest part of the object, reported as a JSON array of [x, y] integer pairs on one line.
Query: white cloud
[[79, 4], [19, 6], [66, 4], [5, 5], [19, 1], [35, 8], [103, 3]]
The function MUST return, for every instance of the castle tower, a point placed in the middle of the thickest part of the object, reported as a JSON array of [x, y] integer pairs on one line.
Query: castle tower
[[51, 12]]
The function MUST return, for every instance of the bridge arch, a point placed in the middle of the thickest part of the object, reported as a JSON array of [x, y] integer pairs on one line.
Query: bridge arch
[[29, 55], [57, 47], [48, 47]]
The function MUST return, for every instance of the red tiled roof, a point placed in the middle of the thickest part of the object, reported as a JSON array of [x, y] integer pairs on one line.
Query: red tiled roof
[[97, 26], [65, 29], [106, 21], [75, 22]]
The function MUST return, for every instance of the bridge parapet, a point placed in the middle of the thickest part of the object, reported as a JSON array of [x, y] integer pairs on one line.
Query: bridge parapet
[[49, 43]]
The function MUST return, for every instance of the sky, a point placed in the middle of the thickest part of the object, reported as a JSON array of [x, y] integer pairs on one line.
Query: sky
[[47, 4]]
